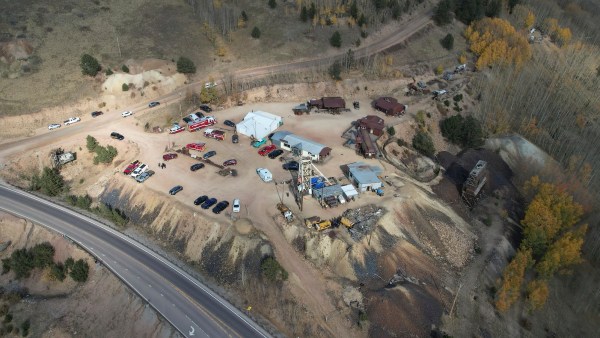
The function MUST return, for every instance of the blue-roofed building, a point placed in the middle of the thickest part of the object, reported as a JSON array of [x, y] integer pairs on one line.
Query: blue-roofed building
[[287, 141], [364, 176]]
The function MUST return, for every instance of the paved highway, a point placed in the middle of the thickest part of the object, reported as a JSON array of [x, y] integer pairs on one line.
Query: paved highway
[[189, 306]]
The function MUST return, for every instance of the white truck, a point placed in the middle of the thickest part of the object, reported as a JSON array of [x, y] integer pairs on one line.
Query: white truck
[[72, 120]]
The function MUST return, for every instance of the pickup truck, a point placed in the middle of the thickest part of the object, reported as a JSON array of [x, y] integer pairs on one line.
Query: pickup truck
[[72, 120], [216, 134]]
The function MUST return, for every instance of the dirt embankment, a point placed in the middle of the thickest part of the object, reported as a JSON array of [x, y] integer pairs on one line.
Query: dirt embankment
[[102, 306]]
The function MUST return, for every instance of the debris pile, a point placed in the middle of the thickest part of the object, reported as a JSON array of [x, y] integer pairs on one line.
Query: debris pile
[[363, 219]]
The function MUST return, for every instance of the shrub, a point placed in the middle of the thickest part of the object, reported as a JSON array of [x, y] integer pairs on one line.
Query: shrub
[[423, 143], [25, 328], [57, 272], [50, 182], [69, 262], [272, 270], [105, 155], [8, 318], [109, 72], [244, 16], [91, 143], [43, 255], [125, 87], [335, 70], [89, 65], [448, 41], [304, 14], [336, 39], [21, 262], [457, 97], [401, 142], [84, 202], [272, 4], [80, 271], [125, 69], [439, 70], [185, 65], [255, 33], [391, 131]]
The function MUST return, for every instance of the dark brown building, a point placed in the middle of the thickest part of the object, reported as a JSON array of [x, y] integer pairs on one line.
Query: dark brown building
[[365, 144], [389, 106], [329, 103], [372, 123]]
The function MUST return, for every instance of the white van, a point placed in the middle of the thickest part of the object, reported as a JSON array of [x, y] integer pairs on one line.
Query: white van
[[264, 174]]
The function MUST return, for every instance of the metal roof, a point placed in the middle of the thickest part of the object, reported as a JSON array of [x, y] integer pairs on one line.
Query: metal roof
[[364, 173], [332, 190], [298, 141]]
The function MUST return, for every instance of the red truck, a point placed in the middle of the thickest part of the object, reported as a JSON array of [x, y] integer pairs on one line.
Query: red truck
[[202, 123], [131, 167], [216, 134], [196, 146]]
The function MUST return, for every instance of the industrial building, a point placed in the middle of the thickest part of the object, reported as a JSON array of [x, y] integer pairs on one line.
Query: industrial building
[[305, 147], [389, 106], [365, 177]]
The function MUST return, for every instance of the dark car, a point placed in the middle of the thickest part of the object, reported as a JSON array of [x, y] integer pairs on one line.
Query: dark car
[[197, 166], [220, 207], [96, 113], [229, 123], [170, 156], [200, 200], [235, 138], [208, 203], [293, 165], [275, 153], [117, 136], [209, 154], [229, 162], [175, 190], [205, 108], [153, 104], [199, 114]]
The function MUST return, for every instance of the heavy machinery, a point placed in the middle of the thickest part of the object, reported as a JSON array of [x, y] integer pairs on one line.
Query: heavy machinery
[[309, 222], [346, 222], [285, 211], [322, 225]]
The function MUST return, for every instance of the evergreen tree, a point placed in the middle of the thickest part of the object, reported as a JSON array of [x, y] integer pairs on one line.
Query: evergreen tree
[[336, 39], [255, 33], [304, 14], [272, 4], [185, 65], [89, 65]]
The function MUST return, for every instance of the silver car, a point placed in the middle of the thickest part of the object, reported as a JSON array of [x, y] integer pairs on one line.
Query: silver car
[[54, 126]]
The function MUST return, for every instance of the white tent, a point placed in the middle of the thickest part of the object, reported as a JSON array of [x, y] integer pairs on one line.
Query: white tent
[[259, 124]]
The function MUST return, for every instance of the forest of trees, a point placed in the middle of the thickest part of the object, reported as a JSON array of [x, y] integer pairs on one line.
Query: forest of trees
[[552, 242]]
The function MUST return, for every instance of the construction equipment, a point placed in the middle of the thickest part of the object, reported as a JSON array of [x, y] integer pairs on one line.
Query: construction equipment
[[285, 211], [322, 225], [309, 222], [346, 222]]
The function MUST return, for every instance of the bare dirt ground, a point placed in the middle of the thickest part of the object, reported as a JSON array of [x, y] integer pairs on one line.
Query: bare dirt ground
[[102, 306]]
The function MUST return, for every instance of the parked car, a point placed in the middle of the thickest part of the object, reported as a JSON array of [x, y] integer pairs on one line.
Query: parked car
[[293, 165], [199, 114], [72, 120], [259, 143], [235, 138], [205, 108], [54, 126], [264, 174], [153, 104], [139, 170], [127, 113], [209, 154], [439, 92], [210, 85], [275, 153], [117, 136], [169, 156], [220, 207], [267, 149], [229, 123], [229, 162], [175, 190], [196, 166], [208, 203], [131, 167], [200, 200], [144, 176], [236, 205], [97, 113]]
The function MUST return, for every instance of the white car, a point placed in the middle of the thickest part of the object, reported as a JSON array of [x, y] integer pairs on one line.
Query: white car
[[264, 174], [127, 113], [54, 126], [210, 85], [440, 92], [139, 170], [72, 120], [236, 205]]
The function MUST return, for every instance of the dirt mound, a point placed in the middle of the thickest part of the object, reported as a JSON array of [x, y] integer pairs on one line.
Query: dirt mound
[[420, 167], [243, 226], [114, 83]]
